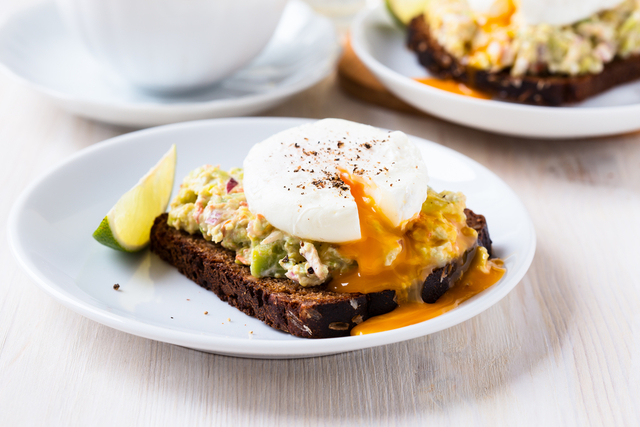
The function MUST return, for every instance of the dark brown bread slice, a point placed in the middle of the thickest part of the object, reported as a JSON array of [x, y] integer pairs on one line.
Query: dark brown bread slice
[[441, 279], [281, 303], [550, 90]]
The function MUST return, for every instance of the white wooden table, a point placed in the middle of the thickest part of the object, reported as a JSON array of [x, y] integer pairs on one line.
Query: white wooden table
[[562, 349]]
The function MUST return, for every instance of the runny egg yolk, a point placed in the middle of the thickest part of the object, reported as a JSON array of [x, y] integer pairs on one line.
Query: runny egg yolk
[[387, 260], [385, 256], [496, 21], [499, 15]]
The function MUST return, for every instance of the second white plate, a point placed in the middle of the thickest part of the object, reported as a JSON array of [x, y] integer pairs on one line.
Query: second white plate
[[35, 47], [380, 45], [50, 229]]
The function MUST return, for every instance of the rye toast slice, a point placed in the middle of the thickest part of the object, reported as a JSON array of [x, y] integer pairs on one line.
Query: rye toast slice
[[551, 90], [441, 279], [311, 312]]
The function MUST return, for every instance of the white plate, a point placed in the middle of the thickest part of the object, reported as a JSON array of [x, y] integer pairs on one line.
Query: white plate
[[35, 47], [380, 45], [51, 224]]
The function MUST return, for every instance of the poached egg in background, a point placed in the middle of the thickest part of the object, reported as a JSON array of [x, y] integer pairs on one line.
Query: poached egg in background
[[552, 12]]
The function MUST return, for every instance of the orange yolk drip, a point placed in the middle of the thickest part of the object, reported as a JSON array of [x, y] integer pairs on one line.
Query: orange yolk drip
[[498, 18], [481, 274], [378, 272], [454, 87], [499, 15], [379, 238]]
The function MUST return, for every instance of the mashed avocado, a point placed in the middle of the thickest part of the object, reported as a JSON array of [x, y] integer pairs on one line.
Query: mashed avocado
[[581, 48], [212, 202]]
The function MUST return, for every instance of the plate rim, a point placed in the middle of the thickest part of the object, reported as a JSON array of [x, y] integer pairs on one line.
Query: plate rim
[[235, 346], [183, 107]]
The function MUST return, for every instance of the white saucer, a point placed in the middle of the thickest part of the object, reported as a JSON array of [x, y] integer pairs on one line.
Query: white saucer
[[35, 47], [50, 229], [381, 46]]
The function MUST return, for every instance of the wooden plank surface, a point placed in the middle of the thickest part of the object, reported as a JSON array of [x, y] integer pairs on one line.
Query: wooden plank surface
[[562, 349], [356, 80]]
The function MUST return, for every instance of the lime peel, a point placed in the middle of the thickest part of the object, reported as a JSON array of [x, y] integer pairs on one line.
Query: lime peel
[[103, 235], [128, 224]]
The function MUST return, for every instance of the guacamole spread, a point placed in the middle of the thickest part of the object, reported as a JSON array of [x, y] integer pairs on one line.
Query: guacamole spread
[[506, 42], [212, 202]]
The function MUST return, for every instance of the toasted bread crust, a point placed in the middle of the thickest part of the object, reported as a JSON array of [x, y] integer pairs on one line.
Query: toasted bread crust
[[311, 312], [552, 90], [441, 279]]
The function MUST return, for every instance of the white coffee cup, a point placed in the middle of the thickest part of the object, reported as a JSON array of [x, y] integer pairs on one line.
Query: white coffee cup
[[173, 45]]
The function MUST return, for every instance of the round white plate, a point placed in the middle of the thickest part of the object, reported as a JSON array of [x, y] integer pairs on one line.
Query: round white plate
[[50, 229], [35, 47], [380, 45]]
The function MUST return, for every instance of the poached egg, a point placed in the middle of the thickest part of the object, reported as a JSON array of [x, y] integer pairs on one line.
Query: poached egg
[[552, 12], [301, 179]]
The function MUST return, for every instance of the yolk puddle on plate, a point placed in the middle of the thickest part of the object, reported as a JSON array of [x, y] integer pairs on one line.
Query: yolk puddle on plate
[[454, 87], [376, 272], [482, 273]]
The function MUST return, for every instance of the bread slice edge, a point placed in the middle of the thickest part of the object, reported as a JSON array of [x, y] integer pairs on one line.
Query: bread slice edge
[[281, 303], [550, 90]]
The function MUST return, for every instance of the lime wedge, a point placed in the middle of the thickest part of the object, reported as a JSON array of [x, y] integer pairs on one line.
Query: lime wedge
[[128, 224], [405, 10]]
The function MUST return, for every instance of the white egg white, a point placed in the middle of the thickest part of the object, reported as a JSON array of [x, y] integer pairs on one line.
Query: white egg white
[[552, 12], [562, 12], [293, 178]]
